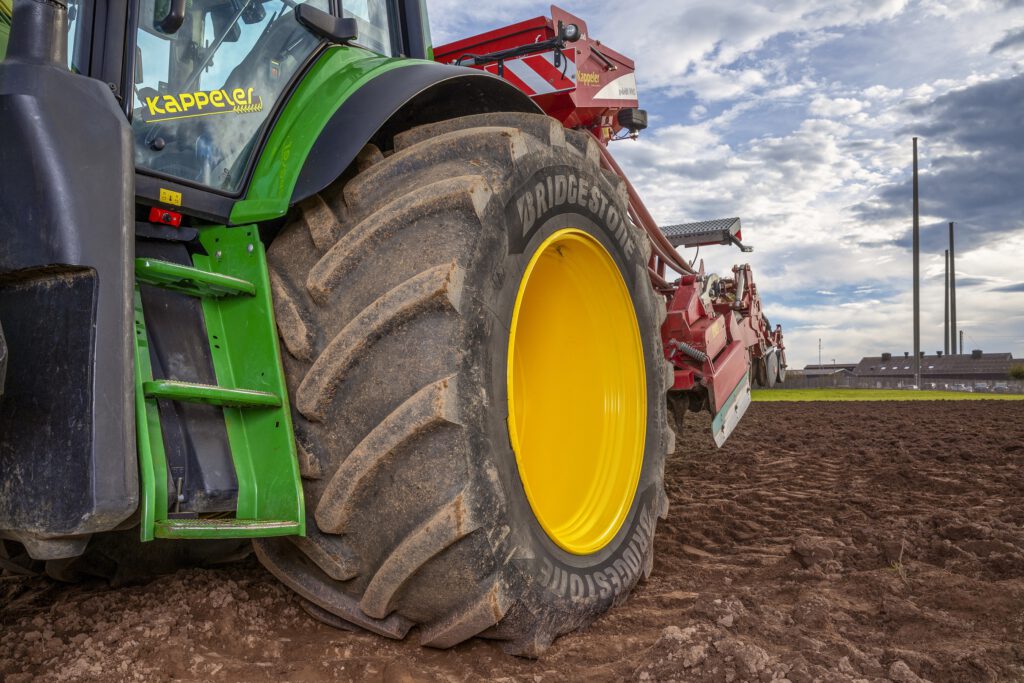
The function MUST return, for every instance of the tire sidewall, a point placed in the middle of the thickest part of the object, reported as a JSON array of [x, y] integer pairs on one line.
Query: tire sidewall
[[546, 572]]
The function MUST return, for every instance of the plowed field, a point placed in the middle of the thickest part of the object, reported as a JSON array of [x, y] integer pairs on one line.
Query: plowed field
[[826, 541]]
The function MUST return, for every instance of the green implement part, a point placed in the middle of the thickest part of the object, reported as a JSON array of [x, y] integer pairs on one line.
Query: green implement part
[[234, 287]]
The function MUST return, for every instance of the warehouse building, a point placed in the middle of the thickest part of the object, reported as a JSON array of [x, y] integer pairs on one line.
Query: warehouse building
[[829, 369], [974, 369]]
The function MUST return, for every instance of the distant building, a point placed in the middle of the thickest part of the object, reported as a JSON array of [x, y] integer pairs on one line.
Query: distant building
[[965, 368], [829, 369]]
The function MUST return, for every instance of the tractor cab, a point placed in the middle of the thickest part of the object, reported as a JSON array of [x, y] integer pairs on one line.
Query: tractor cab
[[202, 92], [199, 80]]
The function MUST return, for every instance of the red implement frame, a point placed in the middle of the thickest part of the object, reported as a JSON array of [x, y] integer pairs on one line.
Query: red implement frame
[[715, 334]]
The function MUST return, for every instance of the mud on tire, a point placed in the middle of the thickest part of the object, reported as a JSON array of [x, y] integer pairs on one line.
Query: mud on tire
[[393, 294]]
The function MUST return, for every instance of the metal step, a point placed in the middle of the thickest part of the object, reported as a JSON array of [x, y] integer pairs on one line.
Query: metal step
[[233, 284], [191, 281], [225, 528], [210, 395]]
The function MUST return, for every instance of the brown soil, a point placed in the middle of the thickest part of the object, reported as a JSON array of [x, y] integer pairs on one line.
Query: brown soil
[[825, 541]]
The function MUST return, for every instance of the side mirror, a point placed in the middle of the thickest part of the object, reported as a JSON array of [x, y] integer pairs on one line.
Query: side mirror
[[139, 76], [174, 19], [328, 26]]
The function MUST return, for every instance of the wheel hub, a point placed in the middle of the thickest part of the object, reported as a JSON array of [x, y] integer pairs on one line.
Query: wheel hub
[[577, 391]]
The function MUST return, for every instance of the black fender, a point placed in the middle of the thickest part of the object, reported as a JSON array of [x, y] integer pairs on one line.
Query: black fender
[[396, 101]]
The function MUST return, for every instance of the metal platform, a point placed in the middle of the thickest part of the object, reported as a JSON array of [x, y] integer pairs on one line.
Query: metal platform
[[703, 233]]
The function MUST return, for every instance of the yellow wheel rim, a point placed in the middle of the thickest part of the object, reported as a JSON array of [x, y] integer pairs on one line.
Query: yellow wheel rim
[[577, 396]]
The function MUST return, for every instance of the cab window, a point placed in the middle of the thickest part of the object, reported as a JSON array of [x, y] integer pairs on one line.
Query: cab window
[[203, 93], [376, 30]]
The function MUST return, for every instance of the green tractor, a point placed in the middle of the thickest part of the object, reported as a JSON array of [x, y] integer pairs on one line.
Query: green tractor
[[270, 275]]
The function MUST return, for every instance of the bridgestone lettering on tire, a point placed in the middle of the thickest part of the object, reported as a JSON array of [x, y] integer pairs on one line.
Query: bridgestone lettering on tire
[[394, 293]]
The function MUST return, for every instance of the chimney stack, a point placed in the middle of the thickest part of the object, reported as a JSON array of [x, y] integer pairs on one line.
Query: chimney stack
[[946, 319], [952, 291], [917, 276]]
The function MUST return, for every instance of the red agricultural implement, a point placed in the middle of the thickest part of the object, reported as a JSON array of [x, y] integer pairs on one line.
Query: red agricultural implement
[[715, 334]]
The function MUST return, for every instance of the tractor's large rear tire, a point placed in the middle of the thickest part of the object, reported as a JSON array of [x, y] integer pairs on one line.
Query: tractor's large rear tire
[[401, 295]]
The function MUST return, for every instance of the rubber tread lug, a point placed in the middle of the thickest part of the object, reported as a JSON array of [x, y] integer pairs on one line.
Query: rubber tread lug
[[328, 554], [451, 523], [309, 465], [288, 568], [546, 129], [470, 192], [321, 221], [433, 405], [291, 326], [437, 287], [493, 147], [477, 616]]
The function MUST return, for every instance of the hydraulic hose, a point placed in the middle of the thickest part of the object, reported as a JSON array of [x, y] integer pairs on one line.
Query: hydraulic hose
[[662, 247]]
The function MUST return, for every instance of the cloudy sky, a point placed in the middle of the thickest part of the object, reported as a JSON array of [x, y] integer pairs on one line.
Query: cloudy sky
[[798, 117]]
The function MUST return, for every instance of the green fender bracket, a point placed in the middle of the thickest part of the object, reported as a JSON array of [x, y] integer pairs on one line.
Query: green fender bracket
[[338, 73]]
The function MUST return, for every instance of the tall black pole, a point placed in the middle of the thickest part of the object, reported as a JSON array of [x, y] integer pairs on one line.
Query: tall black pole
[[952, 290], [917, 278], [946, 315]]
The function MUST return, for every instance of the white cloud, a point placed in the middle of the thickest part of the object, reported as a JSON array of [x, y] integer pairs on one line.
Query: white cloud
[[807, 151], [824, 106]]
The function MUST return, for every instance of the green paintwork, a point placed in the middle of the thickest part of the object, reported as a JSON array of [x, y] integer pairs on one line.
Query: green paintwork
[[210, 395], [338, 73], [243, 341], [5, 35], [224, 528], [251, 388], [148, 434], [191, 281]]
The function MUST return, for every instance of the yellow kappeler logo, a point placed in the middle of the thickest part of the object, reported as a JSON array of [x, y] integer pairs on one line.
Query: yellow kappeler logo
[[202, 103], [585, 78]]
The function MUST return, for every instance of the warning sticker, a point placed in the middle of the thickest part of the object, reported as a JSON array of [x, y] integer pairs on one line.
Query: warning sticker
[[170, 197], [160, 108]]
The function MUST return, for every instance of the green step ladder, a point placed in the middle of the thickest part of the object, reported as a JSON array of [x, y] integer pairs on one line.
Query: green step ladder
[[232, 284]]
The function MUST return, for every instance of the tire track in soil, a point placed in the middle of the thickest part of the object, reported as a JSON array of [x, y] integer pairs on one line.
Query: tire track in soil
[[834, 542]]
